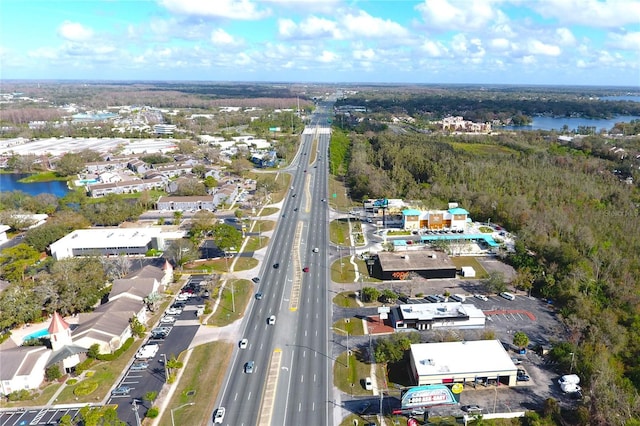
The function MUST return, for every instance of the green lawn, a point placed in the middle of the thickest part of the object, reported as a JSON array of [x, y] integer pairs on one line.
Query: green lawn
[[200, 382], [344, 377], [342, 271], [267, 211], [346, 299], [41, 399], [225, 315], [351, 325], [339, 232], [461, 261]]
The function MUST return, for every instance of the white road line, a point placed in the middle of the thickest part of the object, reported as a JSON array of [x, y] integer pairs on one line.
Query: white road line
[[249, 397], [302, 378], [236, 397]]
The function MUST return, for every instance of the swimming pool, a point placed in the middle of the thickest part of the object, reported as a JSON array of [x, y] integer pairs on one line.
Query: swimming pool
[[37, 334], [88, 181]]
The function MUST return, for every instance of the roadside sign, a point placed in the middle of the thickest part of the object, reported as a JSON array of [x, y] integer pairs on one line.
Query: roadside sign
[[335, 195]]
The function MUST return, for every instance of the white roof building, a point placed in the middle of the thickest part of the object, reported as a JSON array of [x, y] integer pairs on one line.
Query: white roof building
[[462, 362], [107, 241], [428, 316]]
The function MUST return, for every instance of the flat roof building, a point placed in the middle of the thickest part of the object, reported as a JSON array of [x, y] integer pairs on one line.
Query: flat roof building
[[427, 316], [107, 242], [467, 362], [426, 263]]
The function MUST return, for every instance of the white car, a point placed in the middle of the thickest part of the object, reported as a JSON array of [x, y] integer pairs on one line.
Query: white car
[[173, 311], [183, 297], [271, 320], [244, 343], [481, 297], [219, 417], [507, 295], [368, 384], [167, 320], [315, 250]]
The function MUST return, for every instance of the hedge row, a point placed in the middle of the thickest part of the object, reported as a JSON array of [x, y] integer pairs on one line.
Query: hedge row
[[117, 353]]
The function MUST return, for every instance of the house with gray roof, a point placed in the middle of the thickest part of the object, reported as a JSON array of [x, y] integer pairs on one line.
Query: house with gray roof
[[22, 368]]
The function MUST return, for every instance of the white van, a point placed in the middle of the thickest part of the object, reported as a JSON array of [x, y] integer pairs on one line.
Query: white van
[[507, 296]]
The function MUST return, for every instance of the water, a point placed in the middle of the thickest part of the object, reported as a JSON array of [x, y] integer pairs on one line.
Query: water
[[556, 123], [9, 182], [37, 334]]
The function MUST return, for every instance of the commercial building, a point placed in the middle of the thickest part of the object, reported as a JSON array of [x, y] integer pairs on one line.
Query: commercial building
[[187, 203], [455, 218], [426, 263], [467, 362], [107, 242], [428, 316]]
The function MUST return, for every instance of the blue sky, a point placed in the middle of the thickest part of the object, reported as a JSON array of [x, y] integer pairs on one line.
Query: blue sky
[[560, 42]]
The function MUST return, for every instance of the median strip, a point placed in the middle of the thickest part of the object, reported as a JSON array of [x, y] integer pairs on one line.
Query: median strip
[[269, 395]]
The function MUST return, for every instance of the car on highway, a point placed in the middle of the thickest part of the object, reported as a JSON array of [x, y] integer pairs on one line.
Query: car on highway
[[139, 366], [121, 391], [315, 249], [167, 319], [305, 269], [324, 200], [255, 280], [471, 408], [293, 196], [248, 367], [243, 343], [481, 297], [276, 265], [218, 418], [258, 296], [173, 311], [295, 209], [271, 320]]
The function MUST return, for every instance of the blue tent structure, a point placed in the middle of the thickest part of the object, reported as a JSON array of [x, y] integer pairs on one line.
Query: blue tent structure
[[456, 237]]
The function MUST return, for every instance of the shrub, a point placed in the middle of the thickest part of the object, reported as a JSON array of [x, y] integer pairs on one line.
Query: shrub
[[85, 388], [21, 395], [117, 353], [152, 412], [90, 373], [53, 373], [84, 365], [5, 336], [71, 382]]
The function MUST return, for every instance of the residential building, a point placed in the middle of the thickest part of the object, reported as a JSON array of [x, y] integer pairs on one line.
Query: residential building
[[187, 203]]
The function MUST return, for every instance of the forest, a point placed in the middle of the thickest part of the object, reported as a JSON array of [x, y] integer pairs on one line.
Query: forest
[[577, 223]]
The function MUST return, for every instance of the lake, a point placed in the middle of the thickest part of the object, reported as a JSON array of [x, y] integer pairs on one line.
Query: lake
[[556, 123], [9, 182]]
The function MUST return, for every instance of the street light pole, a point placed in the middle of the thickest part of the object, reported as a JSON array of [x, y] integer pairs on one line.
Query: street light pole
[[571, 366], [177, 408]]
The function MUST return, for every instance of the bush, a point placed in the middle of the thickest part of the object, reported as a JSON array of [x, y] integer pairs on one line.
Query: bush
[[21, 395], [85, 388], [72, 382], [117, 353], [84, 365], [53, 373], [152, 412], [4, 336]]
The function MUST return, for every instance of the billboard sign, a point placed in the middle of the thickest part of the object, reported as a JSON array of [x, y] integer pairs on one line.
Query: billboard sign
[[427, 395]]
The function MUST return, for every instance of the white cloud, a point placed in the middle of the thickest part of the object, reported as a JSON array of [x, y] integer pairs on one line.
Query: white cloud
[[565, 37], [593, 13], [529, 60], [221, 38], [327, 57], [500, 44], [434, 49], [311, 28], [231, 9], [364, 55], [628, 41], [365, 25], [536, 47], [74, 31], [458, 14]]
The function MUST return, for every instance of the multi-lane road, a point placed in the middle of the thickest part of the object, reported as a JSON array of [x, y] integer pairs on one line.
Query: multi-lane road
[[291, 380]]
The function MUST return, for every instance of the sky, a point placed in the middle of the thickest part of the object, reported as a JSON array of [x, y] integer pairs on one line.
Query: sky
[[525, 42]]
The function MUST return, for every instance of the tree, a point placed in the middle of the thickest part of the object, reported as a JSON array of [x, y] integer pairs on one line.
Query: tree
[[137, 328], [370, 294], [524, 279], [495, 282], [177, 217], [226, 236], [152, 300], [15, 260], [94, 351], [181, 251], [53, 373], [389, 296], [520, 339]]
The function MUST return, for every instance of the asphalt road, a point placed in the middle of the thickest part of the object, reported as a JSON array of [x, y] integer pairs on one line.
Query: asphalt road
[[295, 347]]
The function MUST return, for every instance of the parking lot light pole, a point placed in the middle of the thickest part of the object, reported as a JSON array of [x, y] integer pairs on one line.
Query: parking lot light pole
[[177, 408], [344, 331]]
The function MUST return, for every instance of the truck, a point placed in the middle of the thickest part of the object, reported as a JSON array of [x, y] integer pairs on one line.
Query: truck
[[569, 383]]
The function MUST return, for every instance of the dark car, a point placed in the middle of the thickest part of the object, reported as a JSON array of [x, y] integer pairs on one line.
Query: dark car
[[258, 296], [122, 390], [305, 269], [255, 280], [295, 210], [276, 265]]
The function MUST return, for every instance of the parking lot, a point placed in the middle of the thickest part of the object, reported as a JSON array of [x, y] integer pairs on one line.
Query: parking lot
[[36, 416]]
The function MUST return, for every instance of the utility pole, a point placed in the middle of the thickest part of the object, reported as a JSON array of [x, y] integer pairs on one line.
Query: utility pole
[[134, 407]]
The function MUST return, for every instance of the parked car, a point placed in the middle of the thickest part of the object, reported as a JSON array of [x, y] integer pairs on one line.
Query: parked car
[[368, 384], [167, 319], [121, 391], [258, 296], [255, 280], [471, 408], [174, 311], [516, 361], [481, 297], [507, 295], [219, 416], [315, 250], [139, 366], [523, 377]]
